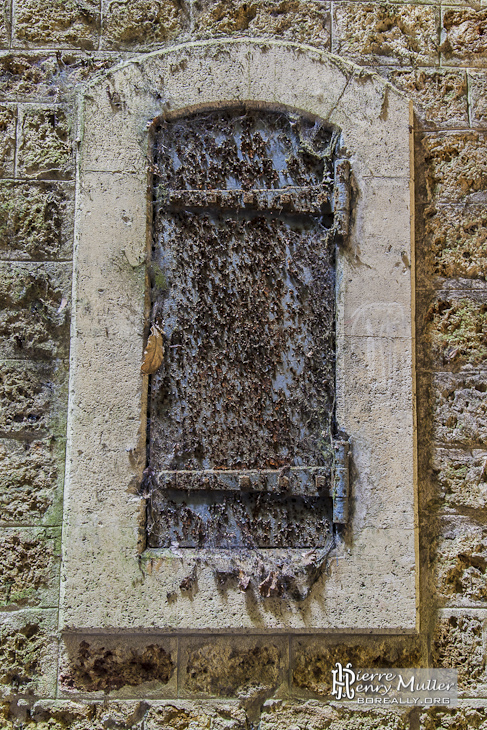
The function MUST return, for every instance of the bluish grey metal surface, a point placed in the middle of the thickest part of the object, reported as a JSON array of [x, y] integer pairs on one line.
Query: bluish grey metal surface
[[244, 292]]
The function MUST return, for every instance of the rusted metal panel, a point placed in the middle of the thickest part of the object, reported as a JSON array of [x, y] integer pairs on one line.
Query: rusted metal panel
[[243, 276]]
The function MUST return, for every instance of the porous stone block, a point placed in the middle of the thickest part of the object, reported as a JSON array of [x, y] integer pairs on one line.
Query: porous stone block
[[455, 326], [461, 477], [297, 20], [439, 96], [45, 149], [464, 32], [64, 24], [29, 567], [313, 715], [35, 76], [8, 121], [314, 657], [33, 399], [196, 715], [460, 409], [4, 23], [455, 166], [36, 221], [34, 310], [461, 561], [232, 666], [143, 22], [118, 665], [477, 82], [378, 33], [458, 644], [462, 718], [31, 478], [451, 242], [28, 653]]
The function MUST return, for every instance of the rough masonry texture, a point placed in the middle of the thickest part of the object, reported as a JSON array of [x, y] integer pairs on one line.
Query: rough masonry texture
[[436, 54]]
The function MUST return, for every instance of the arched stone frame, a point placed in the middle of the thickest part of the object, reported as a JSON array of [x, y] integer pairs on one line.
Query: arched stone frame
[[370, 584]]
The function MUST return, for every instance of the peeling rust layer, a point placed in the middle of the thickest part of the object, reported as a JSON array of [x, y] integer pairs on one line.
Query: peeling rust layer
[[243, 288]]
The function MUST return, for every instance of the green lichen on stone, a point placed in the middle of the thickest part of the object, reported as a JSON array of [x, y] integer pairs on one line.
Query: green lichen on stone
[[45, 148], [35, 221], [461, 477], [26, 564], [20, 655], [459, 330], [65, 22], [7, 140]]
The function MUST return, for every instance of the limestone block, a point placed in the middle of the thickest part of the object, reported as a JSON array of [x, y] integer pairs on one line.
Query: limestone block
[[461, 561], [305, 21], [463, 36], [4, 23], [458, 644], [455, 166], [233, 666], [8, 120], [462, 718], [460, 408], [143, 23], [31, 479], [376, 33], [36, 221], [34, 310], [33, 398], [29, 567], [28, 652], [120, 666], [313, 658], [196, 715], [439, 96], [452, 242], [34, 76], [65, 24], [461, 477], [477, 81], [312, 715], [44, 149], [455, 326]]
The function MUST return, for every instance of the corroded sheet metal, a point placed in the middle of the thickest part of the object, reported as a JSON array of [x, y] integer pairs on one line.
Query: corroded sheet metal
[[244, 292]]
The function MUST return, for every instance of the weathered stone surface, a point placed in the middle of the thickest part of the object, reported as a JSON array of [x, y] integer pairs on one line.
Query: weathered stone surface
[[143, 23], [196, 716], [28, 567], [461, 560], [464, 718], [312, 715], [232, 666], [28, 652], [458, 644], [45, 149], [109, 663], [313, 658], [464, 36], [477, 82], [67, 24], [8, 119], [461, 477], [374, 33], [440, 97], [306, 21], [34, 310], [453, 242], [36, 221], [4, 23], [39, 76], [460, 410], [455, 166], [457, 329], [33, 398]]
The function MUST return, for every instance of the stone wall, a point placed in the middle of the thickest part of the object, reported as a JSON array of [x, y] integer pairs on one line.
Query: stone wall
[[436, 54]]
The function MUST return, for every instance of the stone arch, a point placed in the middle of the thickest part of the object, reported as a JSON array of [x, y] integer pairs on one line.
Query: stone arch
[[103, 546]]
